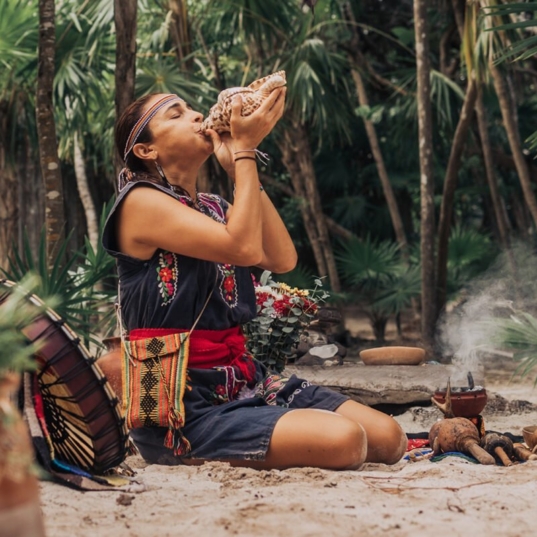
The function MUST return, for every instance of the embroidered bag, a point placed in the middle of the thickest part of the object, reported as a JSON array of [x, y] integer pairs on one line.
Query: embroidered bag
[[154, 381]]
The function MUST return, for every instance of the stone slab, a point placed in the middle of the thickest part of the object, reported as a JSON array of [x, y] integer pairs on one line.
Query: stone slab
[[386, 384]]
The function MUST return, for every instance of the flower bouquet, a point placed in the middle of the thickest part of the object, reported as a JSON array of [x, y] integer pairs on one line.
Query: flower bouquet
[[283, 313]]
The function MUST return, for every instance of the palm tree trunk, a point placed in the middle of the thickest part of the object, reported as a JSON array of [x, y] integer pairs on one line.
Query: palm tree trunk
[[9, 206], [180, 31], [450, 184], [46, 129], [356, 58], [395, 215], [85, 195], [297, 158], [425, 125], [482, 123], [125, 21], [9, 211], [514, 141]]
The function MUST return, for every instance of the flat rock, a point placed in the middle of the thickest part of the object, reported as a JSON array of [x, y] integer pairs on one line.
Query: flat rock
[[386, 384]]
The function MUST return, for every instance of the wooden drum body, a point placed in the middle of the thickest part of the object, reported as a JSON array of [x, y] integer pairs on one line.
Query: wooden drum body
[[82, 413]]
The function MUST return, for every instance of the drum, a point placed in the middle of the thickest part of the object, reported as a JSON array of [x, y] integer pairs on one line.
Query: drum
[[82, 412]]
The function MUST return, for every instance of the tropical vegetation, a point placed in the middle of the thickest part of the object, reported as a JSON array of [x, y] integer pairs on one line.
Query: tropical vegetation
[[404, 163]]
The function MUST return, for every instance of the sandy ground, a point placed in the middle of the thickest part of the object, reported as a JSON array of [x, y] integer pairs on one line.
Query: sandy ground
[[453, 496]]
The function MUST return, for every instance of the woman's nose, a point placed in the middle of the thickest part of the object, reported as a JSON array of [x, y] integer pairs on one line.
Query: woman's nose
[[198, 117]]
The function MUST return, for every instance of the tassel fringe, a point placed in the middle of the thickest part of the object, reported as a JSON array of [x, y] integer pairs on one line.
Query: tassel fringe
[[174, 438]]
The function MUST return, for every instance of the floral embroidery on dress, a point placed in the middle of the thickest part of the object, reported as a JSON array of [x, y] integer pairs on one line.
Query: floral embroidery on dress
[[210, 204], [167, 273], [219, 394], [228, 285], [224, 393], [303, 386], [269, 388]]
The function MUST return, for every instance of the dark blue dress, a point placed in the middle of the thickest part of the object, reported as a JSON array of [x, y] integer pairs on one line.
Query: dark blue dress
[[226, 417]]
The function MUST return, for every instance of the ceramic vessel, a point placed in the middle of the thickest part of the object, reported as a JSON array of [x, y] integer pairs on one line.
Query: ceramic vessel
[[393, 356], [530, 436], [465, 404], [20, 513]]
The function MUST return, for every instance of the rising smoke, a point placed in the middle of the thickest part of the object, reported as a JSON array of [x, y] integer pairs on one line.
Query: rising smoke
[[465, 332]]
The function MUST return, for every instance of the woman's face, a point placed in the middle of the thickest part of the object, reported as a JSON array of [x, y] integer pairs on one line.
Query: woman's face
[[175, 131]]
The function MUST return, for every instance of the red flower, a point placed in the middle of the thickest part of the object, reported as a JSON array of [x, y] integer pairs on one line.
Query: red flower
[[165, 274], [229, 284], [220, 390]]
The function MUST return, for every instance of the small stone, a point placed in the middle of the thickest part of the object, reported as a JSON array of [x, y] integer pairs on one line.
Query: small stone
[[125, 499]]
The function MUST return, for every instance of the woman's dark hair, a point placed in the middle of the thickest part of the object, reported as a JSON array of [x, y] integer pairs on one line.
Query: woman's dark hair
[[136, 167], [124, 126]]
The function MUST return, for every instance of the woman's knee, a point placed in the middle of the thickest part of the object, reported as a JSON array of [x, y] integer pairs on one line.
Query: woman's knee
[[350, 441], [392, 444], [317, 438]]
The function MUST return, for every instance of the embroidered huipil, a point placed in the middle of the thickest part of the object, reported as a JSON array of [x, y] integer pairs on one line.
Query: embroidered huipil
[[232, 402], [169, 290]]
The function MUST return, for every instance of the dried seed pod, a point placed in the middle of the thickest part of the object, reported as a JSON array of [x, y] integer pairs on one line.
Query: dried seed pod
[[458, 434]]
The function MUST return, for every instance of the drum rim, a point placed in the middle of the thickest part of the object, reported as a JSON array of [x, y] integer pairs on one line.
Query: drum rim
[[106, 391]]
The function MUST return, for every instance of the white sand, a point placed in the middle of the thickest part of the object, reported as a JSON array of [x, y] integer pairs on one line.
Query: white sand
[[452, 497]]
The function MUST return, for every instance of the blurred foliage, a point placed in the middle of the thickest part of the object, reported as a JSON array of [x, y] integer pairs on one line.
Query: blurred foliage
[[18, 311], [83, 284], [232, 42], [519, 335]]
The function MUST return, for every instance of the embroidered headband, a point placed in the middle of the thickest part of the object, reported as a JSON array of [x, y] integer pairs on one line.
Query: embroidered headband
[[146, 117]]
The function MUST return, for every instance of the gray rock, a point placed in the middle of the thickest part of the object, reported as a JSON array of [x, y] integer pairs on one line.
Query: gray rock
[[386, 384]]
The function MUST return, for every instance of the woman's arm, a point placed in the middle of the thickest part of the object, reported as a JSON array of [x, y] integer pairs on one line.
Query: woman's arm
[[149, 219], [279, 253]]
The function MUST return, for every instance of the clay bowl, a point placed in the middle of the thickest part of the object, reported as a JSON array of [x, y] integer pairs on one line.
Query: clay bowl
[[393, 356], [530, 436], [465, 404]]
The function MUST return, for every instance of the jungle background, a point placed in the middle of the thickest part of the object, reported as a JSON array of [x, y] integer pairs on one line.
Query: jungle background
[[404, 165]]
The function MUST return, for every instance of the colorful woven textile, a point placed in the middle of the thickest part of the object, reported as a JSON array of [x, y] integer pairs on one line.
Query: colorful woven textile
[[154, 380]]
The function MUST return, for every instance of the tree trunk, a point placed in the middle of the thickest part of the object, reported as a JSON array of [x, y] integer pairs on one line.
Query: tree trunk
[[425, 124], [514, 141], [499, 213], [395, 215], [297, 158], [9, 206], [180, 31], [125, 21], [356, 58], [450, 185], [92, 222], [46, 130]]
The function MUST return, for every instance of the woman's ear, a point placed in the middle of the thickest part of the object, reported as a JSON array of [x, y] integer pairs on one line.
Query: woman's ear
[[143, 151]]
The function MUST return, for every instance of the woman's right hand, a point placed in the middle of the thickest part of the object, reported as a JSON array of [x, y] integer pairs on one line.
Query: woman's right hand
[[248, 132]]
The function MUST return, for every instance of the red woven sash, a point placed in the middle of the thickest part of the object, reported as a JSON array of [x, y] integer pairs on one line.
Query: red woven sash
[[210, 348]]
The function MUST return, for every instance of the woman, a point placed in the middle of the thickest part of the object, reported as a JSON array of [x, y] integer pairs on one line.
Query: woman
[[178, 249]]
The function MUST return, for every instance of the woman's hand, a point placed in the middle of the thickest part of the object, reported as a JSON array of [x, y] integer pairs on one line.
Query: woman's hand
[[247, 132]]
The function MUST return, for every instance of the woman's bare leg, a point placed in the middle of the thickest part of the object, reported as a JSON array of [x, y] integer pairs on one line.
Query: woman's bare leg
[[310, 437], [339, 440], [386, 441]]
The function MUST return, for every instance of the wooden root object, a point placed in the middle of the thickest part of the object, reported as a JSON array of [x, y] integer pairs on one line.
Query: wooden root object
[[499, 446], [522, 453], [458, 434]]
